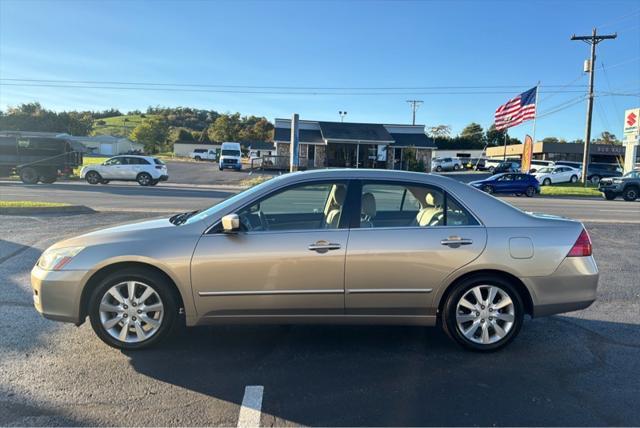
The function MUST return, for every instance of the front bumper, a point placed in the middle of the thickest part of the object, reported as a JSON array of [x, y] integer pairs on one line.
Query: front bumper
[[573, 286], [56, 294], [610, 187], [163, 178]]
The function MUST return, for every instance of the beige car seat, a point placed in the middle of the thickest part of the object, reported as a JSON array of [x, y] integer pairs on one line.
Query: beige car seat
[[332, 216], [433, 209], [367, 210]]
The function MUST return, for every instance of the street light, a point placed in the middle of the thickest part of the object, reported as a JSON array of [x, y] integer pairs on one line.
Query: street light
[[342, 115]]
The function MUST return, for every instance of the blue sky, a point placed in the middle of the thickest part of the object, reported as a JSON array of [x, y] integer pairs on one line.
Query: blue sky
[[327, 44]]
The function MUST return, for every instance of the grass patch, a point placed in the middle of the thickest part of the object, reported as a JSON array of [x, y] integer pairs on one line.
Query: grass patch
[[569, 189], [250, 182], [89, 160], [119, 125], [30, 204]]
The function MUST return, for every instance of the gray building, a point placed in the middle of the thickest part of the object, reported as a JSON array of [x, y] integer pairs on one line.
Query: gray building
[[355, 145]]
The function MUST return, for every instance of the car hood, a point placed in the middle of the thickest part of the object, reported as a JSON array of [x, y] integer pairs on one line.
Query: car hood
[[121, 233], [478, 182]]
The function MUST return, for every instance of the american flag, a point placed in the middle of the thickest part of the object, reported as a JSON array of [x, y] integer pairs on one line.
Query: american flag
[[517, 110]]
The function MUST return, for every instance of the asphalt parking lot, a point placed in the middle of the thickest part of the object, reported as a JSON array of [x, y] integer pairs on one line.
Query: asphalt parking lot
[[575, 369]]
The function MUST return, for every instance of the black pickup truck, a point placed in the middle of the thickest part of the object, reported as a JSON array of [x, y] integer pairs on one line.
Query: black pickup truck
[[627, 186], [36, 158]]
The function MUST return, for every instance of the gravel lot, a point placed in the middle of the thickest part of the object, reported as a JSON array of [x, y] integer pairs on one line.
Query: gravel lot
[[576, 369]]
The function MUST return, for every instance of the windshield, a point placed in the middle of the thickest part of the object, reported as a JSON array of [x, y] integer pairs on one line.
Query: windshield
[[230, 153], [494, 177], [221, 206], [545, 170], [632, 174]]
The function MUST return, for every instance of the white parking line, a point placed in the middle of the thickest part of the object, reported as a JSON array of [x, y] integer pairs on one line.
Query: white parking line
[[251, 406]]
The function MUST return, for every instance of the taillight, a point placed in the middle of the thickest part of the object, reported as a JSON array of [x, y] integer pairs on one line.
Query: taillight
[[582, 247]]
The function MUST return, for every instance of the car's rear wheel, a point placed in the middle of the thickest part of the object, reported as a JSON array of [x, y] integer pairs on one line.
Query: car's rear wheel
[[456, 167], [630, 193], [609, 196], [198, 158], [144, 179], [488, 189], [530, 192], [29, 175], [483, 313], [546, 182], [132, 309], [93, 177]]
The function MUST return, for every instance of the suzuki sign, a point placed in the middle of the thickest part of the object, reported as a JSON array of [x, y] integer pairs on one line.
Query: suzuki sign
[[632, 124]]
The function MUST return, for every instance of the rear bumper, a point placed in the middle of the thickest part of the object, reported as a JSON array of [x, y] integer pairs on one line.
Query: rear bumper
[[573, 286], [56, 294]]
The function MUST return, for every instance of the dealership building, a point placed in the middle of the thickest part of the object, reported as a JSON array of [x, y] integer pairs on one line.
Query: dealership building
[[600, 153], [354, 145]]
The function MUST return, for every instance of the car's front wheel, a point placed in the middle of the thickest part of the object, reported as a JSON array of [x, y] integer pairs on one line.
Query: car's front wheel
[[438, 168], [574, 179], [546, 182], [132, 309], [609, 196], [488, 189], [93, 177], [483, 313], [530, 192]]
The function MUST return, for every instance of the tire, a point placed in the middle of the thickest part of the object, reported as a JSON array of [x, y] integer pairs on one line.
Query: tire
[[503, 322], [574, 179], [595, 179], [221, 169], [92, 177], [29, 175], [609, 196], [160, 323], [154, 182], [48, 179], [630, 193], [198, 158], [456, 167], [488, 189], [104, 181], [530, 192], [438, 168], [144, 179], [546, 182], [491, 169]]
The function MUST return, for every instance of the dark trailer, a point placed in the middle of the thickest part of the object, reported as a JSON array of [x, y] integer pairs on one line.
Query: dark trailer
[[36, 158]]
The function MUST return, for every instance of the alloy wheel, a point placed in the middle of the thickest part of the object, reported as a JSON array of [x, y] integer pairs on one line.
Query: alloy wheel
[[485, 314], [131, 311]]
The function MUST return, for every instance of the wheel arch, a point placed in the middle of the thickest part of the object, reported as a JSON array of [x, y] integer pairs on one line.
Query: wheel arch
[[107, 270], [527, 299]]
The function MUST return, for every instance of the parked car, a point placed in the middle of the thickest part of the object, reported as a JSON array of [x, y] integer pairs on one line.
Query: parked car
[[204, 154], [491, 164], [146, 170], [36, 159], [230, 156], [537, 164], [518, 184], [477, 164], [557, 174], [326, 246], [446, 164], [596, 171], [627, 186], [508, 166]]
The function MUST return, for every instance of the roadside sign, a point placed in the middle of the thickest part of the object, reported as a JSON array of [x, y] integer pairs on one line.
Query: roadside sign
[[527, 154], [632, 124]]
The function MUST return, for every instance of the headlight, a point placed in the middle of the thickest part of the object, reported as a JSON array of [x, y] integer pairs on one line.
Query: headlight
[[57, 258], [616, 181]]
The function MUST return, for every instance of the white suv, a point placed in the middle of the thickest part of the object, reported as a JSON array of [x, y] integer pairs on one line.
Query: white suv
[[446, 164], [146, 170]]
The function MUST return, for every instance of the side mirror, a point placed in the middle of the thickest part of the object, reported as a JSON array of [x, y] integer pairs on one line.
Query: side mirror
[[230, 223]]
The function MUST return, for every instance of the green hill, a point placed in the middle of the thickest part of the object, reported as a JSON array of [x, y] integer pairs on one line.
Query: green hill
[[119, 125]]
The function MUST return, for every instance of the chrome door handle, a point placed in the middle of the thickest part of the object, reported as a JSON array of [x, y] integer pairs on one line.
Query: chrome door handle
[[456, 241], [323, 246]]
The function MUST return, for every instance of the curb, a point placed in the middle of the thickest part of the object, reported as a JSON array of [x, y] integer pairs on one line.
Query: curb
[[67, 209]]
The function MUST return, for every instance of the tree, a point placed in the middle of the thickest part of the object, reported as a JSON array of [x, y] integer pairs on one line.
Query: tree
[[495, 137], [440, 131], [550, 140], [473, 132], [607, 138], [226, 128], [152, 133]]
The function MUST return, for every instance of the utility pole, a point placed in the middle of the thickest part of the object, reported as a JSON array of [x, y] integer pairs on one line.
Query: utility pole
[[592, 40], [414, 107], [342, 115]]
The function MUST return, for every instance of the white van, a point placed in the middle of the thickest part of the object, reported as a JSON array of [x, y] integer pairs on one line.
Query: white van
[[230, 156]]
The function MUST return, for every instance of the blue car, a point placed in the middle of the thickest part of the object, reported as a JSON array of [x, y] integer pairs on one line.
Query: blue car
[[512, 183]]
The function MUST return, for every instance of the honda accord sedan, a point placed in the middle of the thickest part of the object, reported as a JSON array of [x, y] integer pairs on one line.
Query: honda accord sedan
[[328, 246]]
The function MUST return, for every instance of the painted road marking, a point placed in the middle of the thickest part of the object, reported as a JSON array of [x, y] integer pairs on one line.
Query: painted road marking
[[250, 410]]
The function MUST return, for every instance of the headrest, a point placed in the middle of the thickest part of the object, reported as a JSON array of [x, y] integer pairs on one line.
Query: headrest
[[434, 199], [339, 194], [368, 205]]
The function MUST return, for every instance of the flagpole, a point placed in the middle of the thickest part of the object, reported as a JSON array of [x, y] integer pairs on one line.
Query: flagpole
[[504, 155], [533, 137]]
